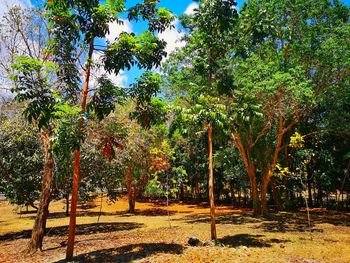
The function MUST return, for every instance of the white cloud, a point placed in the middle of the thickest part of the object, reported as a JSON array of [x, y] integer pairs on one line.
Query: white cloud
[[190, 9], [115, 29], [120, 80], [173, 37]]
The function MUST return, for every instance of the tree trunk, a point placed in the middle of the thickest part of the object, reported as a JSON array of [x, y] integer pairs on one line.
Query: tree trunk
[[255, 198], [276, 194], [342, 186], [309, 192], [320, 197], [38, 231], [233, 197], [264, 186], [74, 203], [250, 168], [211, 183], [239, 197], [67, 204], [76, 175], [129, 175], [182, 192]]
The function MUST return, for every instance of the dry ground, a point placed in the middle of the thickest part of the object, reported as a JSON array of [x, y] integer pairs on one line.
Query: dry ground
[[149, 235]]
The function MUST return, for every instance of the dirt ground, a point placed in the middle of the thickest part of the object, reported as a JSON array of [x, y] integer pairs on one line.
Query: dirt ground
[[156, 233]]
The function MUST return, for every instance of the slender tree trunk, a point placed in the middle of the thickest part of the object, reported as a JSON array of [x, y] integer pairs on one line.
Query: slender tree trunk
[[74, 203], [342, 186], [255, 197], [76, 175], [320, 196], [264, 186], [67, 204], [309, 188], [233, 198], [211, 183], [101, 203], [239, 197], [129, 175], [182, 192], [38, 231], [276, 194], [315, 195]]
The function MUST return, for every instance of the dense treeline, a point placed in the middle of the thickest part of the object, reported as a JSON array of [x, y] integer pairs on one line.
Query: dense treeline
[[259, 98]]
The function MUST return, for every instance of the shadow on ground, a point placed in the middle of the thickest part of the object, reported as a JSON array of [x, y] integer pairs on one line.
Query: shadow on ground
[[57, 215], [280, 222], [146, 212], [84, 229], [298, 222], [128, 253], [235, 219], [249, 241]]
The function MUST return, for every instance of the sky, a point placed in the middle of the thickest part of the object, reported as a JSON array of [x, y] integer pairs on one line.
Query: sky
[[172, 36]]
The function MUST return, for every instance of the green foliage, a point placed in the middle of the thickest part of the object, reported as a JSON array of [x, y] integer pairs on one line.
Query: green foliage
[[32, 83], [20, 160], [105, 98], [150, 110], [159, 19], [144, 51]]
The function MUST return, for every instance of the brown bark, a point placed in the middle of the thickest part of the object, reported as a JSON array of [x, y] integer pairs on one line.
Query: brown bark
[[264, 186], [211, 184], [269, 172], [67, 204], [76, 175], [131, 198], [36, 241], [250, 167], [276, 194]]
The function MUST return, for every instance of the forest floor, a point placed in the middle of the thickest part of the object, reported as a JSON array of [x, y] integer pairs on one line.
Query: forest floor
[[156, 233]]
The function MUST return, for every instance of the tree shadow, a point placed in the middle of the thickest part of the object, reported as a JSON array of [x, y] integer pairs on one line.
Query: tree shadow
[[249, 241], [154, 212], [84, 229], [145, 212], [128, 253], [281, 222], [58, 215], [298, 222], [235, 219]]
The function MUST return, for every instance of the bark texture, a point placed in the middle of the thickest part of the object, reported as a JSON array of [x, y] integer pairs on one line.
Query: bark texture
[[211, 184], [36, 241], [76, 175]]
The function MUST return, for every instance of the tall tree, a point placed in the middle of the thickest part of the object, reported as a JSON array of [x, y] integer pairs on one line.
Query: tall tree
[[199, 65], [83, 22], [24, 34]]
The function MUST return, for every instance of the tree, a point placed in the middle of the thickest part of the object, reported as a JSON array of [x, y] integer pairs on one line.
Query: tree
[[32, 84], [21, 158], [280, 71], [24, 34], [84, 21], [199, 66]]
